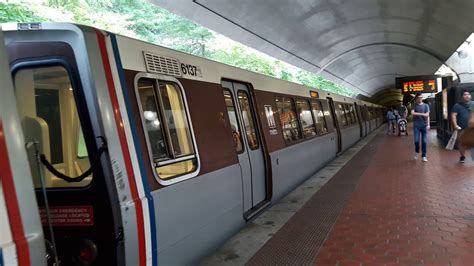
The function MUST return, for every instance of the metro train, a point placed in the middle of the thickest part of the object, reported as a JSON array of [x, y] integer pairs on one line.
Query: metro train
[[141, 155]]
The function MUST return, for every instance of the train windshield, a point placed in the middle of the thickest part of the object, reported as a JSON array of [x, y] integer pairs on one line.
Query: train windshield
[[49, 117]]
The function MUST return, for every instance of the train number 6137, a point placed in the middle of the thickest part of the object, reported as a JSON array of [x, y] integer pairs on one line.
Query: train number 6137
[[189, 70]]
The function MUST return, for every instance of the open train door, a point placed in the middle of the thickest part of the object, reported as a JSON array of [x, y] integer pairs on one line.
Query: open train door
[[21, 235], [336, 124]]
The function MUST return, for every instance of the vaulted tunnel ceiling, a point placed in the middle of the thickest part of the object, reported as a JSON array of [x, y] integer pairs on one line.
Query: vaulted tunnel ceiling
[[360, 44]]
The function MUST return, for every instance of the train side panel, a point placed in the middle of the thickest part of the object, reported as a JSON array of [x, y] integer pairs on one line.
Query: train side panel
[[200, 213], [350, 135]]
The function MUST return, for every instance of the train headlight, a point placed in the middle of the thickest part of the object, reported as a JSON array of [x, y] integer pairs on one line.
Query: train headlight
[[86, 254]]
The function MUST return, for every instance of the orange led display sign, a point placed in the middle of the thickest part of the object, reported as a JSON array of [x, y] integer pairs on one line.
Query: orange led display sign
[[314, 94], [419, 86], [422, 84]]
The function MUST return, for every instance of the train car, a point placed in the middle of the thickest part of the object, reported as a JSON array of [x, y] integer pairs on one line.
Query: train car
[[21, 235], [444, 102], [152, 156]]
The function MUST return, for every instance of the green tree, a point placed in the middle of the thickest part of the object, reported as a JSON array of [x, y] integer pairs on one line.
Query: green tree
[[18, 13], [241, 57], [159, 26], [143, 20]]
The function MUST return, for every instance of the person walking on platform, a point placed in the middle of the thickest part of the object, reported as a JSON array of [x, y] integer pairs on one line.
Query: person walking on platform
[[402, 111], [392, 119], [460, 116], [421, 118], [395, 112]]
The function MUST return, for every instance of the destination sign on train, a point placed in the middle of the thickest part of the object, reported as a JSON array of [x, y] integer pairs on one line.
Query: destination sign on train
[[422, 84]]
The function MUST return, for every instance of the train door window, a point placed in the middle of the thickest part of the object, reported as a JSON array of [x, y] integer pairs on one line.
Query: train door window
[[348, 114], [165, 122], [234, 123], [341, 115], [318, 113], [289, 122], [248, 120], [47, 109], [306, 119], [353, 113]]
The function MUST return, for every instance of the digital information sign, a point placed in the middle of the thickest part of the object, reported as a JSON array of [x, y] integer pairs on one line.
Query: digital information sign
[[422, 84]]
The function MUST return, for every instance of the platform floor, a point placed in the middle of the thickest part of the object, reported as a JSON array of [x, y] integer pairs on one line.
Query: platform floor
[[383, 208]]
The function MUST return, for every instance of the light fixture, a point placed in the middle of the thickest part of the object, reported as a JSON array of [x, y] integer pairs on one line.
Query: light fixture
[[150, 115], [463, 52]]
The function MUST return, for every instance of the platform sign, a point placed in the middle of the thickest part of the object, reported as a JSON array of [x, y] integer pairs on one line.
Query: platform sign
[[418, 84]]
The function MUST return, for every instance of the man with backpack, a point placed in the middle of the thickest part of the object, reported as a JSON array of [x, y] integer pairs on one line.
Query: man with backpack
[[460, 116]]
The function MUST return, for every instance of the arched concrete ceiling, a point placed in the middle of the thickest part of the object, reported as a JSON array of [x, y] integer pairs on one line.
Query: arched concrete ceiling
[[361, 44], [387, 97]]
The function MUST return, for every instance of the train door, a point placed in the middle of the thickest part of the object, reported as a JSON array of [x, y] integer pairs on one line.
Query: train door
[[66, 156], [367, 116], [21, 235], [336, 124], [243, 122], [361, 120]]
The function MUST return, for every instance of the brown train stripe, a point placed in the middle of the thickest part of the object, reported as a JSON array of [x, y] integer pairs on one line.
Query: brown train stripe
[[298, 242]]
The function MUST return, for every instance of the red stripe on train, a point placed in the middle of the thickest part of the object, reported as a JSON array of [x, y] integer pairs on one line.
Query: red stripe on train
[[11, 200], [125, 150]]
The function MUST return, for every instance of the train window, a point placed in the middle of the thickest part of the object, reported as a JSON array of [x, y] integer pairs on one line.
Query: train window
[[167, 128], [152, 120], [47, 109], [318, 113], [352, 113], [340, 114], [176, 119], [307, 123], [289, 122], [348, 114], [234, 122], [247, 118]]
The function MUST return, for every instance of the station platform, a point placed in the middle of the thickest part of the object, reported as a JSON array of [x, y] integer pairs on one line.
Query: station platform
[[379, 207]]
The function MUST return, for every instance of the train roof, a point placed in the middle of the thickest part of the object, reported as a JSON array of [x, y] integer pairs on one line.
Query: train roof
[[132, 56]]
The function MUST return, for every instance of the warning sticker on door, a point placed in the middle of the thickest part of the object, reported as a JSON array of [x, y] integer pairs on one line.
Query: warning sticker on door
[[68, 216]]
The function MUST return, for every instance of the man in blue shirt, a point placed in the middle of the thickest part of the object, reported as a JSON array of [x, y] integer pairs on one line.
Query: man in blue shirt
[[460, 116], [421, 118]]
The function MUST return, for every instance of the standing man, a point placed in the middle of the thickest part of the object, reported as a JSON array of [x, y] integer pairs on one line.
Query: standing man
[[421, 118], [460, 117], [391, 121]]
